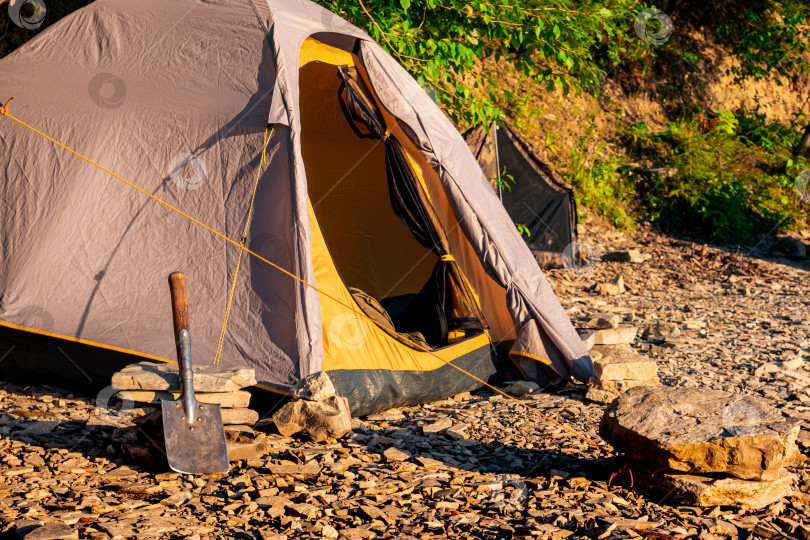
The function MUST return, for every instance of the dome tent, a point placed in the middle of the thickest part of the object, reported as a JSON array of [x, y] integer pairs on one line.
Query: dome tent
[[366, 191], [536, 196]]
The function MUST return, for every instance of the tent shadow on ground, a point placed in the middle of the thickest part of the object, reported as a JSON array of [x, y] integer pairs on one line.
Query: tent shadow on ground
[[506, 462], [71, 434], [38, 429], [490, 458], [91, 442]]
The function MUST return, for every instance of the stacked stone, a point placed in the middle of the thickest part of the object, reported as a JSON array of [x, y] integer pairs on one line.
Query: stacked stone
[[147, 383], [716, 448], [142, 386], [617, 366]]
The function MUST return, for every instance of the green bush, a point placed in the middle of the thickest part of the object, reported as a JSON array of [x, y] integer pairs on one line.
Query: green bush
[[734, 175], [598, 184], [444, 43]]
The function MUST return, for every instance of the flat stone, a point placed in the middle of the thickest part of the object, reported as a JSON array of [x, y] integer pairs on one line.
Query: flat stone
[[661, 332], [119, 473], [320, 420], [601, 321], [521, 388], [118, 530], [140, 489], [638, 524], [624, 363], [766, 369], [701, 430], [24, 526], [607, 391], [161, 376], [705, 491], [40, 428], [239, 416], [236, 399], [612, 288], [629, 256], [243, 445], [724, 528], [237, 428], [588, 340], [304, 510], [600, 396], [301, 472], [792, 364], [272, 501], [52, 531], [392, 415], [615, 336], [266, 534], [437, 426], [457, 432], [395, 454], [16, 471], [429, 463], [626, 384], [316, 387], [176, 500]]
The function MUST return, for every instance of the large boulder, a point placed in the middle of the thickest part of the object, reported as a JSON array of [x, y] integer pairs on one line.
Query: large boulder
[[329, 419], [701, 431]]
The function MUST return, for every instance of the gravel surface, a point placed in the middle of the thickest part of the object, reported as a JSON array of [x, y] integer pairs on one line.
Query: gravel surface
[[478, 466]]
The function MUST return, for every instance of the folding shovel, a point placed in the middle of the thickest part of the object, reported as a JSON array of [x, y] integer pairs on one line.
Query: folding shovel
[[194, 433]]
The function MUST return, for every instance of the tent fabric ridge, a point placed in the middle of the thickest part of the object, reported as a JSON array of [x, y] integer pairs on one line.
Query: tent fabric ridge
[[262, 23]]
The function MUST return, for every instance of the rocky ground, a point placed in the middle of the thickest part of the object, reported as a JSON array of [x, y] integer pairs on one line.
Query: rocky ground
[[479, 466]]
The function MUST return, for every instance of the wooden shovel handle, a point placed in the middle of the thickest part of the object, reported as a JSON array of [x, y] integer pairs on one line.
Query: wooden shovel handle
[[177, 286]]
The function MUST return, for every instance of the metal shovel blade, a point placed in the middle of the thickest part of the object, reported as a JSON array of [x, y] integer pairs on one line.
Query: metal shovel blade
[[196, 448], [193, 432]]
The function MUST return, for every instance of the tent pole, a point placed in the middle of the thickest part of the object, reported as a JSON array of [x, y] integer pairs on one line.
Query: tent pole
[[493, 134]]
